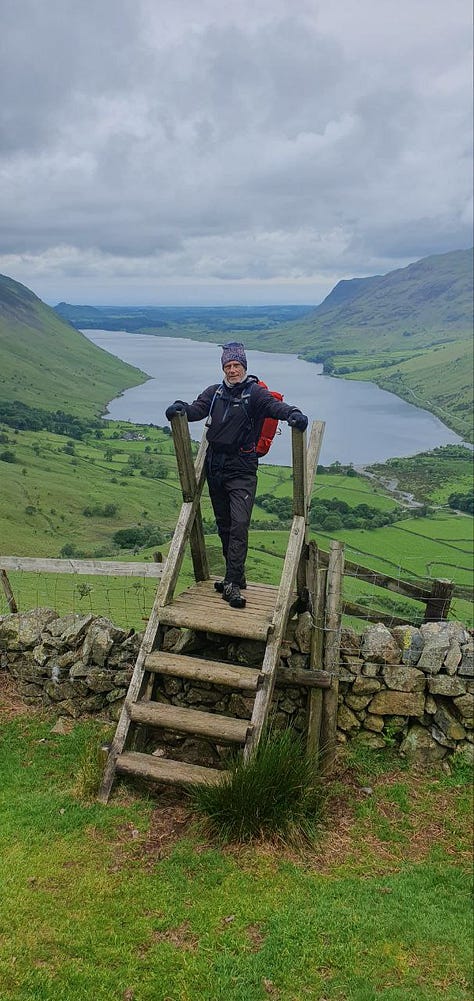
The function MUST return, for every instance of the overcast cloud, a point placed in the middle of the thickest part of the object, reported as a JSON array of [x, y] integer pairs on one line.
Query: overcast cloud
[[185, 151]]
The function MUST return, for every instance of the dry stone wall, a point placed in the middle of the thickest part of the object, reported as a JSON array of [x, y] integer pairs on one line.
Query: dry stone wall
[[413, 687]]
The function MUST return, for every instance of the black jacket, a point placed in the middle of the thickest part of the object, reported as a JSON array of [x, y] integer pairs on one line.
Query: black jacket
[[234, 425]]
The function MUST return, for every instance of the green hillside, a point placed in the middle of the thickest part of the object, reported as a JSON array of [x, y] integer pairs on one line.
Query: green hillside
[[46, 363]]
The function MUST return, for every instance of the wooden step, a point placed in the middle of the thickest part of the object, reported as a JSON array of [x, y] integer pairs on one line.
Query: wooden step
[[200, 607], [220, 728], [166, 769], [212, 672]]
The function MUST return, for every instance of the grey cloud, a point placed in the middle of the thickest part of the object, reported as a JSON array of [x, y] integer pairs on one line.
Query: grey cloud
[[194, 141]]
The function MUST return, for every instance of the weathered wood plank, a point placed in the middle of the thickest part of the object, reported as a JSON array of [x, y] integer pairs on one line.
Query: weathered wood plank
[[167, 717], [182, 531], [189, 487], [331, 653], [166, 770], [316, 580], [279, 622], [11, 601], [104, 568], [361, 612], [302, 678], [298, 448], [311, 461], [437, 605], [420, 592], [207, 671]]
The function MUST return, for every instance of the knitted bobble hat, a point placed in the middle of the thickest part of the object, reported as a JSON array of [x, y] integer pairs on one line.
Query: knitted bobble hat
[[233, 351]]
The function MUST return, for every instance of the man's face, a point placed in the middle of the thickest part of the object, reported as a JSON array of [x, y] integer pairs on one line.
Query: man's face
[[234, 372]]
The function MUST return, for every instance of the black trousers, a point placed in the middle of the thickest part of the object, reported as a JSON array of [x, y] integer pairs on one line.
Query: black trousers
[[232, 482]]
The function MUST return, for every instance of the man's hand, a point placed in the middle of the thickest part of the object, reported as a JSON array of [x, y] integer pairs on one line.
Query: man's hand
[[175, 408], [298, 420]]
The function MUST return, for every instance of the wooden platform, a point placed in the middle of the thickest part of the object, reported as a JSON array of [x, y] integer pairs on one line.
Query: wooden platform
[[200, 607]]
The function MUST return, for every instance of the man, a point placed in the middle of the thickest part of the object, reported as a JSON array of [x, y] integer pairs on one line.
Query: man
[[235, 412]]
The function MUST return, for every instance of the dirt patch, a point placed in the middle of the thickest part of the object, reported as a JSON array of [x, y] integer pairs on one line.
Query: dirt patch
[[11, 703], [181, 938], [255, 936]]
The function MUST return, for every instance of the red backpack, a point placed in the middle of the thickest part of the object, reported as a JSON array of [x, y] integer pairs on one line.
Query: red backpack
[[269, 427]]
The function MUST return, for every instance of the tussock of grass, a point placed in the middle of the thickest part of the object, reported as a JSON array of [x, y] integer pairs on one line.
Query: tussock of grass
[[91, 768], [273, 793]]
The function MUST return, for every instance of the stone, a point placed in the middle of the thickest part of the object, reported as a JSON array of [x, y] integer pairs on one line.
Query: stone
[[41, 654], [365, 686], [393, 703], [352, 664], [199, 693], [250, 653], [453, 657], [451, 630], [344, 675], [441, 737], [465, 707], [419, 746], [466, 666], [186, 642], [74, 630], [303, 632], [410, 641], [71, 707], [240, 707], [431, 705], [123, 678], [404, 679], [79, 670], [434, 652], [357, 702], [346, 719], [58, 691], [350, 641], [100, 640], [116, 693], [171, 685], [370, 670], [444, 684], [379, 645], [375, 723], [100, 681], [24, 629], [448, 723], [373, 740], [298, 662], [62, 726]]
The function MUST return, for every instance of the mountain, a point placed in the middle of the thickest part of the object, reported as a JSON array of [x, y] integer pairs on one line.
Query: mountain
[[431, 297], [47, 363]]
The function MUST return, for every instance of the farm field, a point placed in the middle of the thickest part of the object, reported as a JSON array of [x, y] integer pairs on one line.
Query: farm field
[[62, 496]]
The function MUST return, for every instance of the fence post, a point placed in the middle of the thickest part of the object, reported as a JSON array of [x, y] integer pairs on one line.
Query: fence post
[[187, 478], [8, 591], [316, 581], [332, 645], [437, 605]]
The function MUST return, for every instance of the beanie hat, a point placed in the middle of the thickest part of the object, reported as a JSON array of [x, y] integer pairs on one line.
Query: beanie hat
[[233, 351]]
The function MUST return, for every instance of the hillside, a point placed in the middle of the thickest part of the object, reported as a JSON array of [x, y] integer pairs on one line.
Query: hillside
[[46, 363]]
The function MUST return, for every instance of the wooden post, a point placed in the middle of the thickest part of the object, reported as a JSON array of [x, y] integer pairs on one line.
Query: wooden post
[[331, 654], [8, 592], [437, 605], [316, 579], [187, 476]]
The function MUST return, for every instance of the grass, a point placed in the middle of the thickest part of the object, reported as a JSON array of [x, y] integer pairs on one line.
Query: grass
[[97, 903], [273, 793]]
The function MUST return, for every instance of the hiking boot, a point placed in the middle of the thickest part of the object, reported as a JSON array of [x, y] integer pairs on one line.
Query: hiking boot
[[219, 585], [233, 596]]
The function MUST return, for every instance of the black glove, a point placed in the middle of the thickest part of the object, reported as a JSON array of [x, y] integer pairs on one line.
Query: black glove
[[298, 420], [175, 408]]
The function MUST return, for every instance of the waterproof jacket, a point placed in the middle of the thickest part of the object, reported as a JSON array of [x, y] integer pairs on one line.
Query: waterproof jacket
[[234, 426]]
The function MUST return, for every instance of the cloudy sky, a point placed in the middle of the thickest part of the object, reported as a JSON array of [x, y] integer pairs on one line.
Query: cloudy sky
[[191, 151]]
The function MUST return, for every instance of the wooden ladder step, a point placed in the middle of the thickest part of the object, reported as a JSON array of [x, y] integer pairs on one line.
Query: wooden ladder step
[[160, 714], [212, 672], [166, 769], [223, 621]]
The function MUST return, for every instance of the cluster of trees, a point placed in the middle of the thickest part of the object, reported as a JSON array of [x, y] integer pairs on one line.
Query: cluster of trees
[[100, 511], [137, 537], [154, 469], [462, 502], [331, 515], [25, 418]]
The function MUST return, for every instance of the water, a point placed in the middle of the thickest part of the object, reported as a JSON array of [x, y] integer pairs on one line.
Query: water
[[364, 424]]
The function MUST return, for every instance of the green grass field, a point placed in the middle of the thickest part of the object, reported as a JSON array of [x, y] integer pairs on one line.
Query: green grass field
[[129, 902], [46, 491]]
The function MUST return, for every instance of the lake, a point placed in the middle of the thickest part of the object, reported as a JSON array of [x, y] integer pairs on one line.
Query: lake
[[364, 424]]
